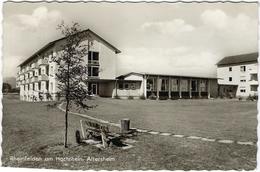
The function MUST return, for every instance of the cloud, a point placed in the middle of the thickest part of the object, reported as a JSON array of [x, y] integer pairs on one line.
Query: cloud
[[40, 17], [175, 26], [178, 61], [216, 18], [25, 34]]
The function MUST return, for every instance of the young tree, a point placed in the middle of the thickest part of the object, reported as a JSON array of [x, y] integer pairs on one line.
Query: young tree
[[72, 71]]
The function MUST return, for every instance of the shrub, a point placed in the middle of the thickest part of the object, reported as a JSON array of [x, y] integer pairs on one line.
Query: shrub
[[251, 98], [130, 97], [152, 96]]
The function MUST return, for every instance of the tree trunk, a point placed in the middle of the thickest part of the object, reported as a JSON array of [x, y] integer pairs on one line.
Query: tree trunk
[[66, 125]]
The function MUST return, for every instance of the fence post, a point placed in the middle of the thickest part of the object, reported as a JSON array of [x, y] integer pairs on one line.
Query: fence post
[[125, 125]]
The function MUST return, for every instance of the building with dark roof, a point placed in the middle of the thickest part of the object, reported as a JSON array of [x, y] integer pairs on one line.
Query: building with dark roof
[[238, 75]]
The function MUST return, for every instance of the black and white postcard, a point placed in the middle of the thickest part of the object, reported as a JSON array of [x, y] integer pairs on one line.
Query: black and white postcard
[[166, 85]]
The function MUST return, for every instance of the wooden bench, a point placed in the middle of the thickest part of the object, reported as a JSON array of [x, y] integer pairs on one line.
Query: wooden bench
[[94, 130]]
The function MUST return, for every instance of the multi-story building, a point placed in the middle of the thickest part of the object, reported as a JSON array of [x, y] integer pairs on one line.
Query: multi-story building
[[237, 75], [36, 76]]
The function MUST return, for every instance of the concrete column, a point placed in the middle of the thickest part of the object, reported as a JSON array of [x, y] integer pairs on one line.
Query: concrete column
[[116, 88], [179, 87], [190, 88], [208, 86], [199, 88], [169, 87], [145, 86], [157, 88]]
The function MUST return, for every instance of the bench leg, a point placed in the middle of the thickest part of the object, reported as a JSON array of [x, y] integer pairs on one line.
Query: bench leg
[[104, 140]]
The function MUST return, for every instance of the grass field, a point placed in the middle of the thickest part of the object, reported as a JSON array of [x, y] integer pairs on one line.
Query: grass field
[[221, 119], [30, 130]]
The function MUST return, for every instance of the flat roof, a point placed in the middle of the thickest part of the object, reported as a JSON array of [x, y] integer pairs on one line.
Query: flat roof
[[166, 75]]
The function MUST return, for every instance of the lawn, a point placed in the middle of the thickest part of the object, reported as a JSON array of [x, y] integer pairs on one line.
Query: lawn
[[220, 119], [30, 130]]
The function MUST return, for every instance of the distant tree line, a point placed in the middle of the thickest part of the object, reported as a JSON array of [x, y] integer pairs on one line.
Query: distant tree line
[[7, 88]]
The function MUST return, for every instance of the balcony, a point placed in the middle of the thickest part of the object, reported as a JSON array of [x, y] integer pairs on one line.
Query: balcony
[[27, 81], [35, 65], [253, 82], [253, 70], [22, 71], [35, 79], [43, 78], [42, 62]]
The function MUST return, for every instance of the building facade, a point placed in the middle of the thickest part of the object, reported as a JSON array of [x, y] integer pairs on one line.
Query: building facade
[[163, 86], [238, 75], [36, 76]]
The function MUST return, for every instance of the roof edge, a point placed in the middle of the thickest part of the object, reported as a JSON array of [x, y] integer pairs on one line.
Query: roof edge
[[48, 45]]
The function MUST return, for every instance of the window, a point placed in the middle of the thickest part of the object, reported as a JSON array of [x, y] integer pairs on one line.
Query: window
[[230, 79], [203, 85], [93, 71], [51, 70], [194, 85], [31, 86], [126, 86], [120, 86], [184, 85], [36, 87], [175, 83], [230, 69], [242, 68], [164, 86], [242, 80], [47, 85], [253, 77], [36, 73], [51, 87], [151, 85], [93, 57], [253, 88], [43, 71], [242, 90], [132, 86]]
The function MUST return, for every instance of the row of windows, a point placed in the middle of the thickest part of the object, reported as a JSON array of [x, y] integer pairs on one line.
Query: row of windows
[[127, 86], [242, 80], [39, 86], [41, 71], [92, 71], [175, 84], [242, 68]]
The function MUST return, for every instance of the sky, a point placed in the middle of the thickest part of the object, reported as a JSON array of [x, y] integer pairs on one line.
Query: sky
[[165, 38]]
